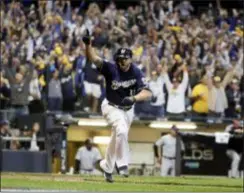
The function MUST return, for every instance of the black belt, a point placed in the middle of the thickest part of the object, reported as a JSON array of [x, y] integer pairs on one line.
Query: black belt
[[124, 108], [171, 158]]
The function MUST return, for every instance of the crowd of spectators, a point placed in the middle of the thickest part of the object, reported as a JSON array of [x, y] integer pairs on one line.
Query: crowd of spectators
[[194, 63], [19, 139]]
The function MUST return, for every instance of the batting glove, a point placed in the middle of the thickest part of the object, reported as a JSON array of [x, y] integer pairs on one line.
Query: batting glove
[[87, 38], [128, 101]]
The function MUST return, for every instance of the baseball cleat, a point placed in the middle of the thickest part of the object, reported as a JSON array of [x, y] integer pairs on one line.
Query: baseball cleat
[[108, 176], [123, 171]]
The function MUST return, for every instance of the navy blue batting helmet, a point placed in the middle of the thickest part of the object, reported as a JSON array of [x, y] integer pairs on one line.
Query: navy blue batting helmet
[[123, 53]]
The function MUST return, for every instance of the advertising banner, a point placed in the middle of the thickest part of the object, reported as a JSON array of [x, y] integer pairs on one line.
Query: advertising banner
[[203, 156]]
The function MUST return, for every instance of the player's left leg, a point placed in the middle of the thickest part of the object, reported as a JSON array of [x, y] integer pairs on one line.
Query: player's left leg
[[122, 144], [108, 163], [235, 161]]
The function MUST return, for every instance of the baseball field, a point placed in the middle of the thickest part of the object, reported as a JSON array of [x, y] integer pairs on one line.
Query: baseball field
[[133, 183]]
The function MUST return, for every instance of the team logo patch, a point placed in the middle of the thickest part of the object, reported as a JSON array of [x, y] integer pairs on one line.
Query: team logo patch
[[125, 84], [122, 51]]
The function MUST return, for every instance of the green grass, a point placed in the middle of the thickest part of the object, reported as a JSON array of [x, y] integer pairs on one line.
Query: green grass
[[96, 183]]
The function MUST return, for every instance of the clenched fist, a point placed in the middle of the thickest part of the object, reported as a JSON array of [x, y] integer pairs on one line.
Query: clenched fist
[[128, 101]]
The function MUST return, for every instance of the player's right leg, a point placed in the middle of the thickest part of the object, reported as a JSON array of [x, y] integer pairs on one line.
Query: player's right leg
[[235, 161], [122, 147], [165, 166], [112, 115]]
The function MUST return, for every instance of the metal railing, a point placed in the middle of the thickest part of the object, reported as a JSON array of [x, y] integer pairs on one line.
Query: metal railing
[[10, 115]]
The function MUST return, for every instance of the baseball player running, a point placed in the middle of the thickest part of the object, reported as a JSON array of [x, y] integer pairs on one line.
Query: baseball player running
[[125, 85]]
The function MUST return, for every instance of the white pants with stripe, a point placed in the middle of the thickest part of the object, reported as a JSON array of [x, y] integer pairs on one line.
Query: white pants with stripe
[[167, 166], [118, 147]]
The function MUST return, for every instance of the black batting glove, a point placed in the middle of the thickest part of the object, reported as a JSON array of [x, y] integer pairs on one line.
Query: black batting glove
[[87, 38], [128, 101]]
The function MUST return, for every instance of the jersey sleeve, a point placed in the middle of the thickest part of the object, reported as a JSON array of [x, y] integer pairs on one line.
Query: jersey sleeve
[[142, 83], [185, 80], [105, 68], [160, 142]]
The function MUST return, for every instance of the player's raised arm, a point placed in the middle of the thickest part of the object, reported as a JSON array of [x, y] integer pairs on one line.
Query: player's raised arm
[[90, 52]]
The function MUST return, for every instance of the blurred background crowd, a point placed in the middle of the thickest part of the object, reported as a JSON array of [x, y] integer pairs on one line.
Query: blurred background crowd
[[193, 62]]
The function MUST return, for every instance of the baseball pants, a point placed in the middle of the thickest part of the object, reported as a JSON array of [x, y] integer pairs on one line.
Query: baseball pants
[[235, 161], [167, 166], [118, 147]]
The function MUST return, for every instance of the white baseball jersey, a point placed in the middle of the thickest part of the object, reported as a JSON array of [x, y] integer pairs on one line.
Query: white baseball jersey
[[168, 142], [87, 158], [176, 97]]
